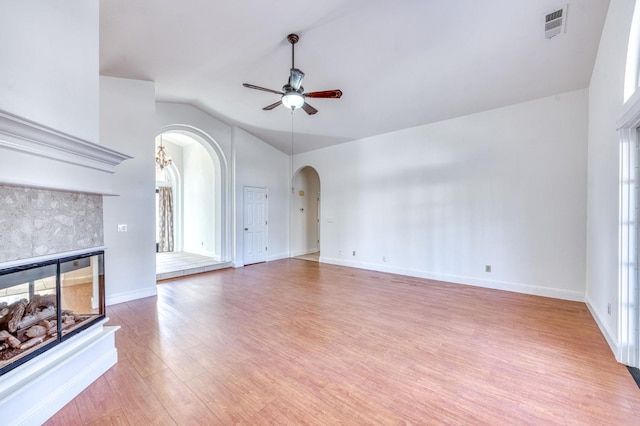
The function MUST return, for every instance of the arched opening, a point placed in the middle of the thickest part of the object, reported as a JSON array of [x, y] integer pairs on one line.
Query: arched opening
[[305, 214], [191, 204]]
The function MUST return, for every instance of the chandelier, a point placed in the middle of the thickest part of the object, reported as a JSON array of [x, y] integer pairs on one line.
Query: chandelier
[[162, 159]]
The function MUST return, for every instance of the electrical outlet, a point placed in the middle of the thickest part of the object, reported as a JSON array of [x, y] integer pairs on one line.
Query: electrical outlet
[[339, 252], [487, 268], [384, 258], [122, 227], [609, 308]]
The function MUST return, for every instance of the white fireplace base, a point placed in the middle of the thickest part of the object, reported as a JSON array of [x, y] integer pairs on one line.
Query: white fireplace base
[[34, 391]]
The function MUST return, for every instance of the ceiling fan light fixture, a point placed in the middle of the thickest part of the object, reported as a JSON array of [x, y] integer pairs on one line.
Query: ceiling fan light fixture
[[292, 100]]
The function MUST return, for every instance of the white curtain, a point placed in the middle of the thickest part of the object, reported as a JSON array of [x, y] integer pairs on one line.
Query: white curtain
[[165, 217]]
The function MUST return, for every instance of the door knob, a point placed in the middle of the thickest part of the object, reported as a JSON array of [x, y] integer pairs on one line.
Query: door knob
[[246, 229]]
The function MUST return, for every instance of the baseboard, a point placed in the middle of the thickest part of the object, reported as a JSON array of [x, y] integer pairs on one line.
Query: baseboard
[[277, 256], [555, 293], [304, 252], [114, 299], [611, 339], [205, 253]]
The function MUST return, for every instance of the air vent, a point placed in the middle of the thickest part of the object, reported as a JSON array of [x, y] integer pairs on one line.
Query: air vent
[[555, 22]]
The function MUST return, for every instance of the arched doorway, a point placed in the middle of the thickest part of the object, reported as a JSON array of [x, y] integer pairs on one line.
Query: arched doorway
[[305, 215], [197, 179]]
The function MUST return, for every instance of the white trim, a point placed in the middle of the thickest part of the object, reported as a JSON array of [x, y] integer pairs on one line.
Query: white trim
[[23, 135], [628, 339], [57, 187], [127, 296], [609, 336], [305, 252], [630, 118], [32, 260], [555, 293], [45, 384], [277, 256], [628, 297], [632, 65]]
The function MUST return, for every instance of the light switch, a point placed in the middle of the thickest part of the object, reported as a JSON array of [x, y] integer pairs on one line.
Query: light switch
[[122, 227]]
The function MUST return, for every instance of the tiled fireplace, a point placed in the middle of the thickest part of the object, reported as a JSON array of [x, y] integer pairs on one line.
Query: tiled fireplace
[[53, 342]]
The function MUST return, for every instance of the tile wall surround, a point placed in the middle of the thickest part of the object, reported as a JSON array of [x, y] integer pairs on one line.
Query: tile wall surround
[[38, 222]]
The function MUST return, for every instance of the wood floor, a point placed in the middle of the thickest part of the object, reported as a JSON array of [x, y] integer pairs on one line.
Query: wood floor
[[297, 342]]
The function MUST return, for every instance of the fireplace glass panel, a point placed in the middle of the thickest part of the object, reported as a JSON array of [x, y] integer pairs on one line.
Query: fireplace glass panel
[[45, 303], [80, 281], [27, 311]]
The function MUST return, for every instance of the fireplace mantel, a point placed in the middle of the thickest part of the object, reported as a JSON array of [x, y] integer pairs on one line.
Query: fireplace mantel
[[40, 157]]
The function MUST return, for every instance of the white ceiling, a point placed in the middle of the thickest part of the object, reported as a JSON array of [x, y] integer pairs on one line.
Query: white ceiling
[[400, 63]]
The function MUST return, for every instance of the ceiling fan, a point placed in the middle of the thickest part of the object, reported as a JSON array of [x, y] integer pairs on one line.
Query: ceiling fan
[[292, 93]]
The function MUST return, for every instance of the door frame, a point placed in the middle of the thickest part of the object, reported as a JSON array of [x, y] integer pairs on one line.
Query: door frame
[[245, 226], [629, 296]]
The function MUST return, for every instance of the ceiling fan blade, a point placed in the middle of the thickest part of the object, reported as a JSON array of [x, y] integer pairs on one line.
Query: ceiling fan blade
[[309, 109], [251, 86], [325, 94], [272, 106], [295, 79]]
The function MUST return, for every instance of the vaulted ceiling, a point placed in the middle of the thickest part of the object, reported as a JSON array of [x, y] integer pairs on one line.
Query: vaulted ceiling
[[399, 63]]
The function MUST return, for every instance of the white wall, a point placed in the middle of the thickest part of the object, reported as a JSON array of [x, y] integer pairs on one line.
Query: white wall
[[606, 94], [261, 165], [199, 203], [505, 188], [127, 124], [49, 64], [49, 75]]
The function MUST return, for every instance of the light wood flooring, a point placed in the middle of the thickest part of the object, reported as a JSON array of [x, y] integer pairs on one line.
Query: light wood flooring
[[297, 342]]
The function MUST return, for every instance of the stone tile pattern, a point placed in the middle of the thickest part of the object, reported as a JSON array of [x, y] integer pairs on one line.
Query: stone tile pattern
[[38, 222]]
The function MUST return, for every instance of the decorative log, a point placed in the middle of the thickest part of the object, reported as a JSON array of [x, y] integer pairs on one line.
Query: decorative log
[[3, 346], [7, 337], [46, 324], [68, 320], [31, 343], [36, 331], [39, 302], [12, 318], [3, 312], [33, 318], [75, 316]]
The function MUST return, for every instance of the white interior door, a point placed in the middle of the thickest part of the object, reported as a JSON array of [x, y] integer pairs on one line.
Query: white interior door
[[255, 225]]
